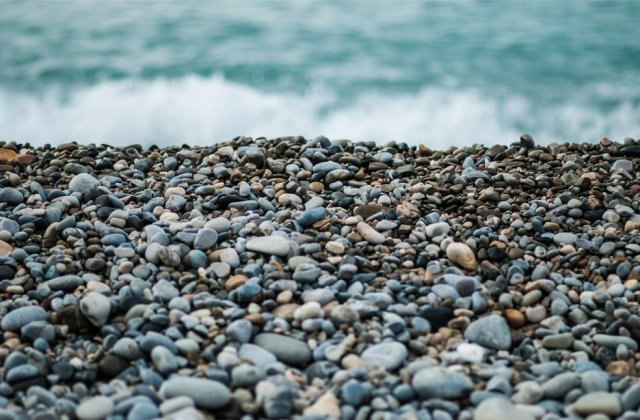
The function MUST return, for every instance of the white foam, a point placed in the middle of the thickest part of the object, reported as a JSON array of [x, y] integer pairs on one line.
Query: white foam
[[196, 110]]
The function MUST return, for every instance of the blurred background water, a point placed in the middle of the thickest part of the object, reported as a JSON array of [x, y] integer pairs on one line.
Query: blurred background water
[[437, 73]]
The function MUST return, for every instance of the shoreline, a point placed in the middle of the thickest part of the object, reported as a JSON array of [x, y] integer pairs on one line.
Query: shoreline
[[321, 278]]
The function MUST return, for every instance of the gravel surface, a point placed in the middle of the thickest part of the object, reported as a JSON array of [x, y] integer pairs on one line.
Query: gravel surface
[[320, 279]]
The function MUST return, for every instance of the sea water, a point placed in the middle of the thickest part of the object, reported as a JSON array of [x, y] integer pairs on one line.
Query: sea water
[[437, 73]]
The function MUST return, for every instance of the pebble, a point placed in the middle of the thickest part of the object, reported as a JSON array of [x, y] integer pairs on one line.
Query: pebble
[[500, 409], [272, 245], [287, 349], [20, 317], [96, 307], [438, 382], [389, 356], [205, 393], [315, 278], [598, 403], [491, 331], [83, 183], [462, 255], [96, 408], [370, 234]]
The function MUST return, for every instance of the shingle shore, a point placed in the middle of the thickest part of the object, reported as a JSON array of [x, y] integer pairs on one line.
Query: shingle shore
[[290, 278]]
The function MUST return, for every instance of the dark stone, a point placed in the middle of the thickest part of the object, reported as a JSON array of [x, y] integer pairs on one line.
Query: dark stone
[[633, 151], [111, 366], [437, 317], [496, 254]]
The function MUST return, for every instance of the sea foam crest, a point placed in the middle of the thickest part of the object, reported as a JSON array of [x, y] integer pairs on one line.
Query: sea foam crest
[[197, 110]]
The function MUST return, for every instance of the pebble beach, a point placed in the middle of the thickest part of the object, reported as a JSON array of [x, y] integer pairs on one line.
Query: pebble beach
[[316, 278]]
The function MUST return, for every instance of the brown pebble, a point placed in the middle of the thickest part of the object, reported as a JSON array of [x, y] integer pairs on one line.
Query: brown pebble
[[515, 318]]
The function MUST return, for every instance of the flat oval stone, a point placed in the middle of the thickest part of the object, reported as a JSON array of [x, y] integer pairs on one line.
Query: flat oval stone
[[272, 245], [286, 349], [20, 317], [389, 356], [205, 393], [65, 283]]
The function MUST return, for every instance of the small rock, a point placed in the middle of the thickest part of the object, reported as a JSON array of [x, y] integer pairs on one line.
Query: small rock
[[272, 245], [491, 331], [287, 349], [598, 403], [500, 409], [462, 255], [439, 382], [95, 408], [390, 356], [206, 394], [20, 317], [83, 183], [96, 307], [370, 234]]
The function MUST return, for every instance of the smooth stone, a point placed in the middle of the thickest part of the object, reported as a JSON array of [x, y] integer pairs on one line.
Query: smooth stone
[[311, 216], [598, 402], [462, 255], [219, 224], [164, 360], [126, 348], [143, 411], [65, 283], [327, 406], [565, 238], [96, 307], [95, 408], [500, 409], [286, 349], [559, 385], [437, 229], [240, 331], [205, 393], [11, 195], [22, 373], [439, 382], [205, 239], [327, 166], [491, 331], [558, 341], [256, 355], [246, 376], [631, 397], [83, 183], [272, 245], [18, 318], [389, 356], [370, 234], [613, 341], [38, 329], [625, 164]]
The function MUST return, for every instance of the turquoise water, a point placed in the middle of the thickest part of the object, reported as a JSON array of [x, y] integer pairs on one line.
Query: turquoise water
[[421, 72]]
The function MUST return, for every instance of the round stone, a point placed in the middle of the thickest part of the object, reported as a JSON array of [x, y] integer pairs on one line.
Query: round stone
[[96, 408], [491, 331], [96, 307], [83, 183], [438, 382], [462, 255], [389, 356]]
